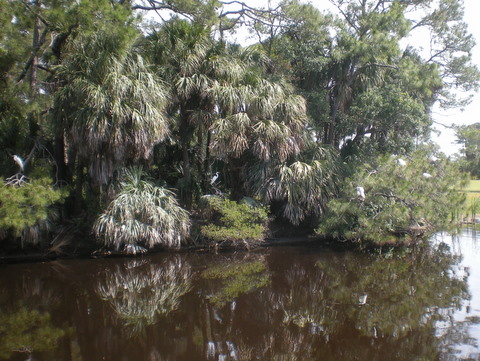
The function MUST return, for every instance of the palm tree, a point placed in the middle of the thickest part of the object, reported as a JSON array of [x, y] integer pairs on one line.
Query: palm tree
[[181, 52], [228, 107], [302, 185], [111, 105], [142, 214], [207, 82], [268, 127]]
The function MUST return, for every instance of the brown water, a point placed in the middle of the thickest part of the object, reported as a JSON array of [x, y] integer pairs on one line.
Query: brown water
[[284, 303]]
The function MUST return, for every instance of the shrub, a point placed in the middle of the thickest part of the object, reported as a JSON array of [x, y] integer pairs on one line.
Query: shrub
[[25, 208], [142, 214], [402, 200], [234, 222]]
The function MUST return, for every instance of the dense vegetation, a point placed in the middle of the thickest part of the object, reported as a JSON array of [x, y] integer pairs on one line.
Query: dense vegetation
[[315, 111], [468, 136]]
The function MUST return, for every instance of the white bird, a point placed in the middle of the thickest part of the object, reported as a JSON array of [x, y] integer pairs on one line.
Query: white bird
[[361, 193], [427, 175], [214, 178], [362, 299], [19, 161], [401, 162]]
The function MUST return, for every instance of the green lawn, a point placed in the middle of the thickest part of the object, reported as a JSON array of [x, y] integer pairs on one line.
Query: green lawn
[[473, 186], [472, 205]]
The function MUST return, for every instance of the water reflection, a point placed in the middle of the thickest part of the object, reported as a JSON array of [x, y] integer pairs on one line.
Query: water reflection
[[348, 306], [277, 304], [238, 276], [25, 331], [140, 291]]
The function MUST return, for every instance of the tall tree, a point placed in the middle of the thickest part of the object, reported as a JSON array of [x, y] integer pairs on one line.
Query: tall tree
[[188, 61], [111, 105], [468, 136], [355, 60]]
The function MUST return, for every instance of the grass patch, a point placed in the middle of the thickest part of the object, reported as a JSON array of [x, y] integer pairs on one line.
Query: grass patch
[[473, 186], [471, 209]]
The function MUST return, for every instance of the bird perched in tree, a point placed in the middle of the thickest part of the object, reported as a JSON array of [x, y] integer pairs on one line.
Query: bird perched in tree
[[214, 178], [401, 162], [362, 299], [19, 161], [361, 193]]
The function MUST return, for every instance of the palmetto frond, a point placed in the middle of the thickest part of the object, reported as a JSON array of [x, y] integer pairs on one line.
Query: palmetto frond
[[113, 108], [272, 137], [142, 213], [186, 86], [303, 185], [230, 135]]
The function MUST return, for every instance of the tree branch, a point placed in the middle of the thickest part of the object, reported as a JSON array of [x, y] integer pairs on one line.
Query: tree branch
[[32, 57], [37, 14], [401, 200]]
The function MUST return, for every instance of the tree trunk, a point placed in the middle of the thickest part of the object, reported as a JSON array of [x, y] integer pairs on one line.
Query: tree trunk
[[237, 179], [187, 177], [78, 205], [35, 46], [64, 175], [206, 164]]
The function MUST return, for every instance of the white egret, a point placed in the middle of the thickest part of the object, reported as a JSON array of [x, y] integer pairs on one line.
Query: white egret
[[427, 175], [362, 299], [19, 161], [401, 162], [361, 193], [214, 178]]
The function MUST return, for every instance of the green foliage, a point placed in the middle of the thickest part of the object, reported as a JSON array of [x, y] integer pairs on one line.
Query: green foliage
[[303, 187], [235, 221], [142, 213], [111, 105], [27, 205], [469, 137], [396, 117], [237, 279], [401, 201], [27, 331], [82, 83]]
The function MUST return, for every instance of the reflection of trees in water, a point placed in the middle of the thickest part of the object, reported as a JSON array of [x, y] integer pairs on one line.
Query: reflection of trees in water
[[227, 282], [140, 291], [31, 298], [236, 277], [454, 334], [344, 306], [280, 304], [26, 331], [401, 293]]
